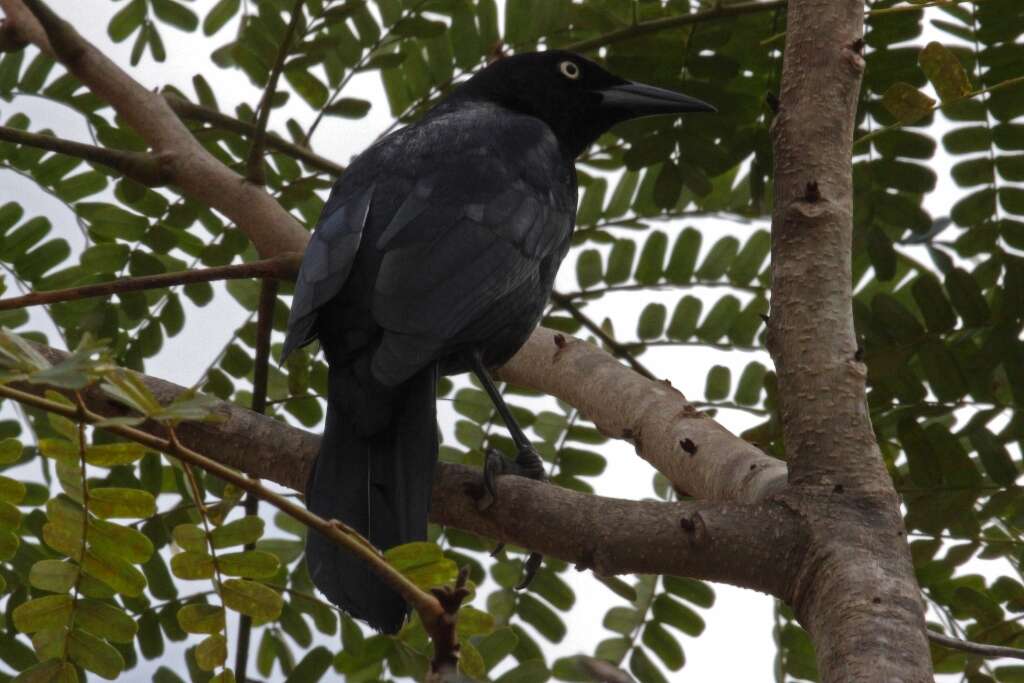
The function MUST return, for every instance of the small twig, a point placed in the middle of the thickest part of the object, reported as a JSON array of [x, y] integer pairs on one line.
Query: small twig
[[609, 341], [194, 112], [718, 11], [982, 649], [264, 326], [1010, 82], [444, 665], [254, 170], [281, 267], [428, 606], [140, 167]]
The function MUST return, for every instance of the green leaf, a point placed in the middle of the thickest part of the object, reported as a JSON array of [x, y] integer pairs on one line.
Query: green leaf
[[908, 104], [719, 259], [652, 258], [190, 537], [652, 321], [49, 671], [944, 71], [748, 391], [623, 620], [10, 451], [471, 663], [643, 668], [220, 15], [251, 564], [663, 644], [201, 618], [175, 14], [994, 456], [530, 671], [48, 612], [748, 261], [541, 617], [349, 108], [691, 590], [423, 563], [238, 532], [618, 586], [674, 613], [620, 261], [719, 382], [9, 543], [112, 502], [11, 490], [254, 599], [309, 87], [966, 296], [588, 268], [212, 652], [105, 621], [55, 576], [685, 318], [192, 565], [127, 20], [114, 454]]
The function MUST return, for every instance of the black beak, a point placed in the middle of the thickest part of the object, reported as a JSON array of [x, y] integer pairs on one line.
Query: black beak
[[637, 99]]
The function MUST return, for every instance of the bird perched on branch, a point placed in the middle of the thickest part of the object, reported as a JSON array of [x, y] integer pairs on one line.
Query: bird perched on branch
[[435, 255]]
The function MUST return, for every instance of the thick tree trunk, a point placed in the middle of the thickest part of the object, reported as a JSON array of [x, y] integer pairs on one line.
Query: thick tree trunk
[[856, 592]]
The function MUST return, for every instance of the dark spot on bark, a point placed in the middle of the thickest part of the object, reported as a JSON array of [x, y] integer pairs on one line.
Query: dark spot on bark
[[627, 433], [473, 489], [877, 601], [559, 340], [838, 488], [753, 467], [688, 446], [764, 318], [858, 46], [858, 355], [687, 524], [772, 100], [811, 192]]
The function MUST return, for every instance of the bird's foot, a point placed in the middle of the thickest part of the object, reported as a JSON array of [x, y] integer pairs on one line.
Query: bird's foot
[[527, 464]]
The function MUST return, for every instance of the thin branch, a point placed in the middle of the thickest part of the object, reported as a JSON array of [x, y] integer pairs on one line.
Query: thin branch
[[140, 167], [426, 605], [193, 169], [264, 327], [195, 112], [1008, 83], [279, 268], [719, 11], [983, 649], [255, 172], [618, 349]]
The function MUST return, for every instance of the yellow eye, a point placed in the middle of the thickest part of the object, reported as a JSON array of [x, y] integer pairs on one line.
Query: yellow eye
[[570, 70]]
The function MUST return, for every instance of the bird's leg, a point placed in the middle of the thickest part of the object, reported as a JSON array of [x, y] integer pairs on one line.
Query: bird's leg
[[527, 463]]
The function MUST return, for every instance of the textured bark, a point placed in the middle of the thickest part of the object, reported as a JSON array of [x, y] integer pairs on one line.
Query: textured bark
[[856, 593], [747, 545]]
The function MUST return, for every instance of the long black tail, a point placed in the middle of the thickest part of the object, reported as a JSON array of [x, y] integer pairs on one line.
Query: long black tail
[[379, 483]]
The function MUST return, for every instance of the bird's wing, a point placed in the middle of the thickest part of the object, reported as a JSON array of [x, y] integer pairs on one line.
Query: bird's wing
[[476, 224], [326, 262]]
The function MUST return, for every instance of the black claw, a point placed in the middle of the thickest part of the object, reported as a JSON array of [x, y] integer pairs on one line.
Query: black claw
[[530, 568], [497, 550]]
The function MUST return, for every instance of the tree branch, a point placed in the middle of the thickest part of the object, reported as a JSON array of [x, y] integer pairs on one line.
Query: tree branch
[[142, 168], [194, 112], [281, 267], [190, 167], [720, 541], [856, 594], [697, 454], [983, 649], [718, 11], [255, 172], [618, 349]]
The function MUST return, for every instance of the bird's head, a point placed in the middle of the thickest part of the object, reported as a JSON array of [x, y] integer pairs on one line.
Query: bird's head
[[576, 97]]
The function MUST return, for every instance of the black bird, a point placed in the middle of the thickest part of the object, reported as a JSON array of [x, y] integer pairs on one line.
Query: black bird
[[435, 255]]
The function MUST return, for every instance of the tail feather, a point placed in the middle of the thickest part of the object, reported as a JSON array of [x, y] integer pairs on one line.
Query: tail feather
[[379, 484]]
